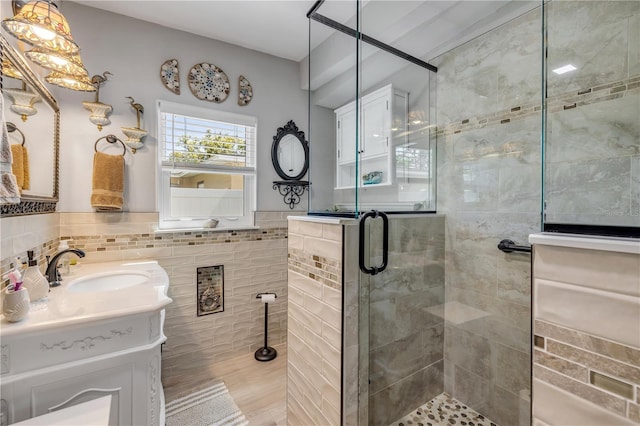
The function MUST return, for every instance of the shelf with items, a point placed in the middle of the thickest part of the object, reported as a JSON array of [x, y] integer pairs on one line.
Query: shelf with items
[[382, 124]]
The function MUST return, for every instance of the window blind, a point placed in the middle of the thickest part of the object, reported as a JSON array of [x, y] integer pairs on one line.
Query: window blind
[[197, 143]]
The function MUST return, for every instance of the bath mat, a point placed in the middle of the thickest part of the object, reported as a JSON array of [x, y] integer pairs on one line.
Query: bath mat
[[212, 406]]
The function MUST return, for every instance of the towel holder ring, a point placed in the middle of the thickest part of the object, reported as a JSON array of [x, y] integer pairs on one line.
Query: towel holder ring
[[13, 128], [111, 139]]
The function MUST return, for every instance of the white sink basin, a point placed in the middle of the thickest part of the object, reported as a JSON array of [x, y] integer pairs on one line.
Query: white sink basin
[[108, 281]]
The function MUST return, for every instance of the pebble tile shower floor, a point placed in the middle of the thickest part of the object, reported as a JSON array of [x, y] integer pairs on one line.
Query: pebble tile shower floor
[[444, 410]]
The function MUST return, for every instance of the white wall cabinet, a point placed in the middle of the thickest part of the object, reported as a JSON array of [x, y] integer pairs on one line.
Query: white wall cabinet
[[382, 124]]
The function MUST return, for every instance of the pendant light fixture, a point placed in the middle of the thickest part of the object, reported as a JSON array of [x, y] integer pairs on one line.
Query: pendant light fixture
[[40, 24], [80, 83], [55, 61]]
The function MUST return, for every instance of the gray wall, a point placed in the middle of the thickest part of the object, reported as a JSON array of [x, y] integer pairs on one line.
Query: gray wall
[[133, 51], [489, 189]]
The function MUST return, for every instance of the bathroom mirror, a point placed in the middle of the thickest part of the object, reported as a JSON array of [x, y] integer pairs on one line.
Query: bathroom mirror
[[41, 133], [290, 152]]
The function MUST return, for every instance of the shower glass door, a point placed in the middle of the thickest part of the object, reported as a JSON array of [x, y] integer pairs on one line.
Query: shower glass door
[[441, 330]]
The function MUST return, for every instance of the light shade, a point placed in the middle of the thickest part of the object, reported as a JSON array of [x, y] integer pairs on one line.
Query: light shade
[[40, 24], [55, 61], [9, 70], [73, 82]]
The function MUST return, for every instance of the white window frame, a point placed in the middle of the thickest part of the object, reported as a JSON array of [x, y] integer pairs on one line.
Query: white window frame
[[163, 172]]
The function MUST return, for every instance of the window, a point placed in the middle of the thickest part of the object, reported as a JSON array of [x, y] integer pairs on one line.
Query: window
[[207, 167]]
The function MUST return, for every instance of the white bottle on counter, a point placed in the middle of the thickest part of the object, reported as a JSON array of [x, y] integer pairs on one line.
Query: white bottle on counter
[[33, 280]]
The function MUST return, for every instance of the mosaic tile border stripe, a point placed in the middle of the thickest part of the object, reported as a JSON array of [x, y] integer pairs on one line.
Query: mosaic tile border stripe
[[601, 93], [602, 372], [101, 243], [321, 269]]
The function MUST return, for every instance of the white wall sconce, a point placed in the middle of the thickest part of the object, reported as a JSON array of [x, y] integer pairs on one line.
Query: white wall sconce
[[99, 111], [135, 134], [22, 101]]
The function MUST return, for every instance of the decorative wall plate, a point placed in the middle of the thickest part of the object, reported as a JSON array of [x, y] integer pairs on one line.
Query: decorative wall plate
[[209, 83], [170, 75], [245, 92]]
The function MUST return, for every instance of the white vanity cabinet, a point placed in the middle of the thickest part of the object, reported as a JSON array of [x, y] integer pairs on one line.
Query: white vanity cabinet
[[383, 124], [77, 347]]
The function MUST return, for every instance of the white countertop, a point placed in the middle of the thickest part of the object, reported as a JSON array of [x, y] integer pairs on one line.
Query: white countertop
[[588, 242], [64, 308]]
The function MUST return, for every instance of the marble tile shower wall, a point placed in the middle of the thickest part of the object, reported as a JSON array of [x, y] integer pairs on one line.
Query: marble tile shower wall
[[489, 162], [405, 319], [254, 261], [489, 115], [593, 140]]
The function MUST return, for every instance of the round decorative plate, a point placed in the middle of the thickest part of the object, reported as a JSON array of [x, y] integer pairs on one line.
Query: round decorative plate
[[209, 83], [245, 91], [170, 75]]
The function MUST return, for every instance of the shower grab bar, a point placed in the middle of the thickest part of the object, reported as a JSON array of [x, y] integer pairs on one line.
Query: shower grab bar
[[508, 246], [385, 242]]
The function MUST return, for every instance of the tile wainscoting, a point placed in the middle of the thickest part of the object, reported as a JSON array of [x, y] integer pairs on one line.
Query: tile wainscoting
[[586, 360], [254, 260], [315, 323]]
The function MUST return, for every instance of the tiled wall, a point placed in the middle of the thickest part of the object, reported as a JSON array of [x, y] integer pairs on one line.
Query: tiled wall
[[314, 323], [587, 337], [405, 318], [21, 233], [489, 176], [593, 132], [489, 115], [254, 261]]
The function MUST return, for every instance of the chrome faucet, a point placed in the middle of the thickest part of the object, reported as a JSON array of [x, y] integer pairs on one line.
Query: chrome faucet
[[52, 273]]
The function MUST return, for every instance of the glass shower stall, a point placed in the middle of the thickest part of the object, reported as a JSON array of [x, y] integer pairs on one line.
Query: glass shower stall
[[441, 128]]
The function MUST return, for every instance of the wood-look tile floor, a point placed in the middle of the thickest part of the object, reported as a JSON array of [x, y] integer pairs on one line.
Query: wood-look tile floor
[[258, 388]]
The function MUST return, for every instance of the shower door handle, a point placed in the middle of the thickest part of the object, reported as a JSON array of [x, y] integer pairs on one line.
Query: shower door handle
[[385, 242]]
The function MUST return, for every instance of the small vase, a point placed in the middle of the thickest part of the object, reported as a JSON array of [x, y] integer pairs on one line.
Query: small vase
[[99, 113], [15, 304], [134, 137]]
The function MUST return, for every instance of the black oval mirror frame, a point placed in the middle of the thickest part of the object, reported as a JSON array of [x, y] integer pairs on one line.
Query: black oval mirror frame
[[289, 129]]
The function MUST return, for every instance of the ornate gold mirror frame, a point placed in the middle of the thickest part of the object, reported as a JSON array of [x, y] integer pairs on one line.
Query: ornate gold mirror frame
[[32, 204]]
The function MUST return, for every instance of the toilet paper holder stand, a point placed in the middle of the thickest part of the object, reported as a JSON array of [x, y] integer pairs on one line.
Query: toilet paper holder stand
[[266, 353]]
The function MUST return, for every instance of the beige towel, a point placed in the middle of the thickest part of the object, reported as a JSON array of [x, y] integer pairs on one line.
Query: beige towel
[[20, 166], [108, 182]]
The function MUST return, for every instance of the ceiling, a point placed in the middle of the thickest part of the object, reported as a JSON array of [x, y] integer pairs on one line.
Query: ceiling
[[280, 27], [276, 27]]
